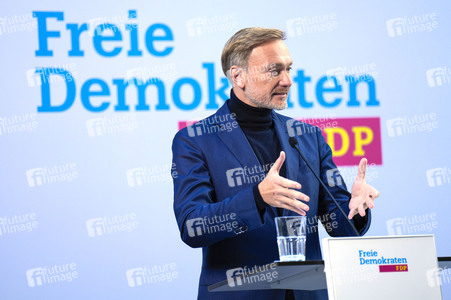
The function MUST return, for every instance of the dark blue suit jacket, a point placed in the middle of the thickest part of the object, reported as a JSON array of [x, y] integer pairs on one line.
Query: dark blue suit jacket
[[216, 210]]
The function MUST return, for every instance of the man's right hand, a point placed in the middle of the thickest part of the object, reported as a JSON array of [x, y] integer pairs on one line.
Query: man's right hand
[[278, 191]]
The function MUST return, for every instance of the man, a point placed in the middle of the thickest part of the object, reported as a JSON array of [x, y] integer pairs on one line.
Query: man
[[237, 172]]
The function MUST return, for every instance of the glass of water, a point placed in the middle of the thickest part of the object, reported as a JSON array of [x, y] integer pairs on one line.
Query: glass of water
[[291, 237]]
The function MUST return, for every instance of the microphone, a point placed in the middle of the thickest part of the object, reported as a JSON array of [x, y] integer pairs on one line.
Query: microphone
[[294, 143]]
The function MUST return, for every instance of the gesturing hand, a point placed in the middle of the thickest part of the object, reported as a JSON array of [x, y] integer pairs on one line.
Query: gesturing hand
[[362, 194], [277, 191]]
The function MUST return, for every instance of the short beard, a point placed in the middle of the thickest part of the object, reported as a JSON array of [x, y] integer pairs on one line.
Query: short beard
[[265, 103]]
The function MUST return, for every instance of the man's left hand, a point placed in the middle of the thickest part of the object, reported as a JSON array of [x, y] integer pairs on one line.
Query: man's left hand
[[362, 194]]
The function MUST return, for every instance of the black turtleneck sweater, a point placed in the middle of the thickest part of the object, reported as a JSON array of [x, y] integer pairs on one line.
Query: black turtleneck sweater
[[258, 126]]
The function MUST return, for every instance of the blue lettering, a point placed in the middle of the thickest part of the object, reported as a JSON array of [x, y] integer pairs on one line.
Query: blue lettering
[[121, 86], [196, 91], [300, 79], [43, 33], [212, 88], [98, 39], [141, 86], [353, 82], [45, 74], [151, 38], [133, 28], [75, 38], [321, 89], [162, 105], [86, 92]]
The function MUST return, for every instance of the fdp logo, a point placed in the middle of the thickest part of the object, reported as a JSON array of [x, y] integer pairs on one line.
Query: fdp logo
[[350, 139]]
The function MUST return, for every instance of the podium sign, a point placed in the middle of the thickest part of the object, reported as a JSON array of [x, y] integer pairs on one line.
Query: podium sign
[[396, 267]]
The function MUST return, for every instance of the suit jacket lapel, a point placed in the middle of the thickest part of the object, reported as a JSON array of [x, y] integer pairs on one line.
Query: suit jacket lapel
[[236, 141]]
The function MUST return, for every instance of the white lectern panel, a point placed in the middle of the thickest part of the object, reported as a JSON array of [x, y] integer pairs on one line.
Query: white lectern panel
[[395, 267]]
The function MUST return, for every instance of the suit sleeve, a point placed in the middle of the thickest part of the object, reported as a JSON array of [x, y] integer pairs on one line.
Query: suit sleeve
[[333, 221], [199, 213]]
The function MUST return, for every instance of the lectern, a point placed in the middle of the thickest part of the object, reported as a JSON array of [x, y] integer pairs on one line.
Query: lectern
[[396, 267]]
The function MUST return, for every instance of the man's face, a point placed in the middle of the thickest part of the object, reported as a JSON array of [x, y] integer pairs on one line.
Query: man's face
[[267, 78]]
